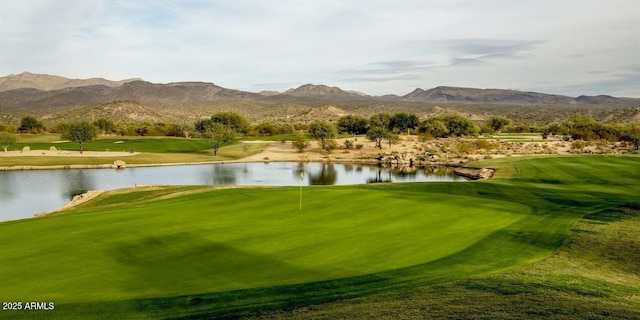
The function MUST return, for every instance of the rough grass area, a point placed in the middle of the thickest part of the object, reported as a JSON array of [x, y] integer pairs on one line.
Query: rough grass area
[[206, 252]]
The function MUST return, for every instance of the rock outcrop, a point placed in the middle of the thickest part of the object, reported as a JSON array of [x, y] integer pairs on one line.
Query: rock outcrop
[[475, 173]]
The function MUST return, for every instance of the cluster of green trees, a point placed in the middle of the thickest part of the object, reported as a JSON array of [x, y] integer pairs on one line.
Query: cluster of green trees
[[580, 127], [224, 127], [31, 125], [386, 126]]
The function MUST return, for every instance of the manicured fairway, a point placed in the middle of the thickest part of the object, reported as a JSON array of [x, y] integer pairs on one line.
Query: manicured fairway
[[193, 251], [139, 150]]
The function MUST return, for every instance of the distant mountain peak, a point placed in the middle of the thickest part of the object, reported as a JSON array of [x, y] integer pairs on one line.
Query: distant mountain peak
[[315, 90], [47, 82], [320, 90]]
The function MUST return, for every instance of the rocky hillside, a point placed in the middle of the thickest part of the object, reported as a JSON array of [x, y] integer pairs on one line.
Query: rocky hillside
[[141, 91]]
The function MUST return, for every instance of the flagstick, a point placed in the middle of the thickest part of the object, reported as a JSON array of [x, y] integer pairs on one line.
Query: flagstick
[[301, 179]]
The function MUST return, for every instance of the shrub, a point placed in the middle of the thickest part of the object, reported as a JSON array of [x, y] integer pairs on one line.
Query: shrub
[[484, 144], [348, 144], [577, 145], [300, 143], [330, 145], [464, 147]]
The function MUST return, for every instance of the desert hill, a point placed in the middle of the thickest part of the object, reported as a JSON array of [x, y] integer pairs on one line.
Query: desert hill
[[28, 90], [454, 94], [47, 82], [51, 98], [321, 90]]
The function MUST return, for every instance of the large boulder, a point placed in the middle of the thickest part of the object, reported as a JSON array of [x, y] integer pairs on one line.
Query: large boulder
[[474, 173], [119, 164]]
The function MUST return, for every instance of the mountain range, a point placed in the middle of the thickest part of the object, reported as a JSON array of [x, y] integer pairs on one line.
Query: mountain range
[[29, 93], [40, 90]]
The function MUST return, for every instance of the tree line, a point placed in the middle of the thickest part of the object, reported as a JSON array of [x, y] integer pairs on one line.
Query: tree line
[[223, 127]]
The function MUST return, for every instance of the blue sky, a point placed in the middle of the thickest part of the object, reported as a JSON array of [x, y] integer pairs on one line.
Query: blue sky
[[377, 47]]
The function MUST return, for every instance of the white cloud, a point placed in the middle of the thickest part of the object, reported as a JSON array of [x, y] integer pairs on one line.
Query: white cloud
[[377, 47]]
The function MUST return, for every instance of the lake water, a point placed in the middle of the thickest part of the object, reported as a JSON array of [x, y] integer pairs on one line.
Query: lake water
[[25, 193]]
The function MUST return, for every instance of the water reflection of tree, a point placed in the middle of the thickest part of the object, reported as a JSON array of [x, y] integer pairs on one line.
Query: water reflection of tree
[[77, 182], [404, 172], [326, 176], [7, 190], [222, 175], [439, 171], [379, 178]]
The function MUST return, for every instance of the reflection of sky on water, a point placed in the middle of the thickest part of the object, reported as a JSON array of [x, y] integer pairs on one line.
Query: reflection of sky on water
[[25, 193]]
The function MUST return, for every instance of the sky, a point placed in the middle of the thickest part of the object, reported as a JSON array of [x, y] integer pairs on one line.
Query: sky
[[377, 47]]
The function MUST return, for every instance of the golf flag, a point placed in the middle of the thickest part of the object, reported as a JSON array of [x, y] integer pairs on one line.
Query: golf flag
[[301, 175]]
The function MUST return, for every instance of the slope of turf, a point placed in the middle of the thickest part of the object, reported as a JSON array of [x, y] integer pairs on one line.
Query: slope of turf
[[194, 251], [594, 275]]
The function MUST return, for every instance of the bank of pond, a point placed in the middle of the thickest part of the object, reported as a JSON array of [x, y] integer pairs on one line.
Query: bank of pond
[[26, 193]]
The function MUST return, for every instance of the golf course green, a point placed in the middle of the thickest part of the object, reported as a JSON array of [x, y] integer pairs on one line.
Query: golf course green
[[193, 252]]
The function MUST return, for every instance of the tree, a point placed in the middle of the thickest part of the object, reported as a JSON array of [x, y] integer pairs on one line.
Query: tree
[[30, 125], [497, 123], [203, 126], [353, 124], [105, 125], [434, 127], [403, 122], [267, 129], [232, 120], [632, 134], [581, 127], [81, 133], [377, 134], [381, 120], [219, 134], [6, 139], [322, 130], [458, 125]]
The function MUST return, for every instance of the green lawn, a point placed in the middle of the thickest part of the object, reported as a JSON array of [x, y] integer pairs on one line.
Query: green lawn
[[181, 252], [594, 275], [150, 150]]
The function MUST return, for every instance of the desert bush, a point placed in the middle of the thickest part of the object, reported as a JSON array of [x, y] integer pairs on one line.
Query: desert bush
[[464, 147], [348, 144], [300, 143], [577, 145], [330, 145], [7, 128], [424, 137], [497, 123], [484, 144]]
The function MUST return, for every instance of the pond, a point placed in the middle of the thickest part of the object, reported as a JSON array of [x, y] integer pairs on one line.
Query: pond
[[25, 193]]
